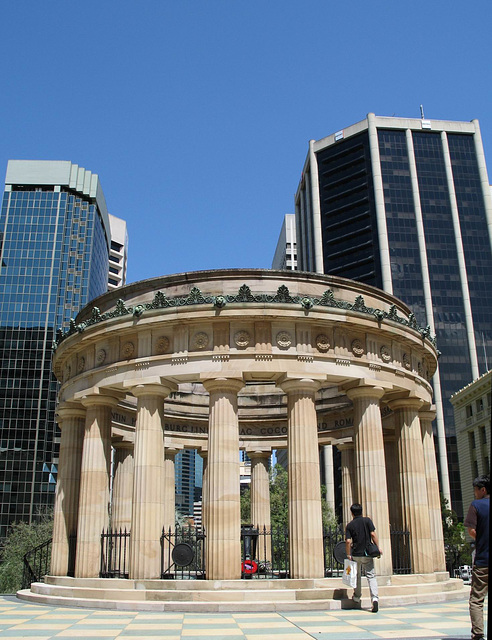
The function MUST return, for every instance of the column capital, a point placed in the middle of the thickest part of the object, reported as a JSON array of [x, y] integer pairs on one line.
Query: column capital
[[427, 414], [405, 403], [122, 444], [152, 386], [311, 384], [232, 383], [69, 410], [99, 400], [258, 454], [365, 391], [344, 446]]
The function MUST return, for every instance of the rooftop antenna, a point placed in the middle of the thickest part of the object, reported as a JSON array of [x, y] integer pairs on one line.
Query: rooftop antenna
[[422, 112]]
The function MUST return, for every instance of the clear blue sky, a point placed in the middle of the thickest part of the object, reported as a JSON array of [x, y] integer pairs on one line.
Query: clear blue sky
[[196, 114]]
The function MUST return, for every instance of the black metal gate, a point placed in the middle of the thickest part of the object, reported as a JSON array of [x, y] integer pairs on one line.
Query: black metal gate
[[183, 554]]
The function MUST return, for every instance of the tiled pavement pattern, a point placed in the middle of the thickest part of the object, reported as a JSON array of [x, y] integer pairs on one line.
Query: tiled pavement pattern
[[43, 622]]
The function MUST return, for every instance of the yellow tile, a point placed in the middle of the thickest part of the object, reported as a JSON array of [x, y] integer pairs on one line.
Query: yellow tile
[[407, 633], [332, 628], [13, 620], [178, 637], [62, 616], [290, 636], [43, 627], [301, 619], [124, 621], [264, 625], [160, 616], [87, 633], [135, 626], [209, 632]]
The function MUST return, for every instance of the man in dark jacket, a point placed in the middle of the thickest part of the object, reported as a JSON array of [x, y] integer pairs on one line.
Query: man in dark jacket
[[477, 522], [358, 534]]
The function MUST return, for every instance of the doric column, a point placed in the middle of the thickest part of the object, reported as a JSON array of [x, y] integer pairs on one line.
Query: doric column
[[148, 481], [71, 420], [305, 526], [327, 461], [349, 493], [94, 484], [121, 514], [169, 504], [204, 455], [169, 517], [372, 492], [223, 517], [433, 495], [415, 508], [393, 482], [260, 501]]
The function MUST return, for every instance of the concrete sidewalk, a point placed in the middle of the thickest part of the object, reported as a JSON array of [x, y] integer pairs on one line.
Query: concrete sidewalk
[[43, 622]]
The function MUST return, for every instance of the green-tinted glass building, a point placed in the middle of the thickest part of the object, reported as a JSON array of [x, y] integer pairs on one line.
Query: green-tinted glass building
[[404, 204], [55, 241]]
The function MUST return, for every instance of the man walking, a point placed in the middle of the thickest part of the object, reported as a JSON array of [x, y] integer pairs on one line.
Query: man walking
[[358, 534], [477, 522]]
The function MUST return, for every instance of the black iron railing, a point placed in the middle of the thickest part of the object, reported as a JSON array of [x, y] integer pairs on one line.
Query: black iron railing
[[183, 554], [115, 547], [331, 538], [400, 551], [36, 564]]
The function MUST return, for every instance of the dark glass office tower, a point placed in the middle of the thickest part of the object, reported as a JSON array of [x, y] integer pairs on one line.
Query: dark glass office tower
[[54, 245], [405, 205]]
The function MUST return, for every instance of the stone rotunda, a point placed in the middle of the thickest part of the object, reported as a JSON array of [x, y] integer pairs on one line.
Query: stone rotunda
[[244, 359]]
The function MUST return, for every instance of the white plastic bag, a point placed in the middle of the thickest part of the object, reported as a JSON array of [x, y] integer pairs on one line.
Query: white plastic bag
[[349, 573]]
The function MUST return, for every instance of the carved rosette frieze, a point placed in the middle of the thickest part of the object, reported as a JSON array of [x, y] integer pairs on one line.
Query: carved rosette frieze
[[81, 364], [242, 339], [357, 348], [322, 342], [385, 353], [128, 350], [162, 345], [200, 341], [284, 340], [406, 361], [100, 357]]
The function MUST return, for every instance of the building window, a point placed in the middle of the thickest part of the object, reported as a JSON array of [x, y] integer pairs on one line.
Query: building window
[[471, 435], [469, 411], [480, 404], [483, 435]]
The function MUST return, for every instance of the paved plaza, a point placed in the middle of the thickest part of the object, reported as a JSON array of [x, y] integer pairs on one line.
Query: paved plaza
[[43, 622]]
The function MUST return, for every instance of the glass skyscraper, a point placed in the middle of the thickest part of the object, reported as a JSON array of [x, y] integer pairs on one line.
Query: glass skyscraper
[[54, 247], [404, 204]]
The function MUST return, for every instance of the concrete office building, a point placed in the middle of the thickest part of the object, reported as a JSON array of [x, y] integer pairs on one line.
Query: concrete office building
[[55, 239], [472, 411], [286, 252], [404, 204], [118, 253]]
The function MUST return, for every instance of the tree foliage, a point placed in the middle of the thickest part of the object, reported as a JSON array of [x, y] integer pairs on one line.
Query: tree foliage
[[457, 548], [279, 502], [22, 537]]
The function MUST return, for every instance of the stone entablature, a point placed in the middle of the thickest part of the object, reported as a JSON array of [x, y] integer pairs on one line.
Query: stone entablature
[[251, 359]]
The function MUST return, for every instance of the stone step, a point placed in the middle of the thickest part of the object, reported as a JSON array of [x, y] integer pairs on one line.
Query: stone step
[[215, 596]]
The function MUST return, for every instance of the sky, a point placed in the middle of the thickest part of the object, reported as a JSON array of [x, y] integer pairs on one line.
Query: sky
[[196, 114]]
